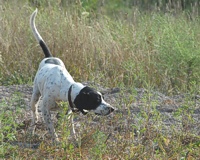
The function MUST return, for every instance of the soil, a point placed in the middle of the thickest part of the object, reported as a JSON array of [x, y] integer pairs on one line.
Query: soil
[[135, 109]]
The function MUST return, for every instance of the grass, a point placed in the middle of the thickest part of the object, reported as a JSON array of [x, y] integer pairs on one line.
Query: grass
[[125, 135], [158, 49], [155, 51]]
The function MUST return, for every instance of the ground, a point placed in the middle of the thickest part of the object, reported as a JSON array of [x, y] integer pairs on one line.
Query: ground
[[141, 115]]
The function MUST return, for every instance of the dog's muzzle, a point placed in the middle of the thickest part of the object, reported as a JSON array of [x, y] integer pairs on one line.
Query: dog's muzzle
[[104, 109]]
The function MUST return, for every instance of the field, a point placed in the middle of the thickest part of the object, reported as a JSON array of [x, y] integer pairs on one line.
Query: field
[[147, 63]]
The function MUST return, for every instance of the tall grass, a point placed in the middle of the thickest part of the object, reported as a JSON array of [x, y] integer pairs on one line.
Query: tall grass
[[158, 49]]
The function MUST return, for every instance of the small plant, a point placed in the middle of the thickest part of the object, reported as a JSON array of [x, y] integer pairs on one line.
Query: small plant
[[100, 147], [64, 123], [10, 112]]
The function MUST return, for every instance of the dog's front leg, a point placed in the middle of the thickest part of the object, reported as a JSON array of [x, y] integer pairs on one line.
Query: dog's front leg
[[34, 105], [71, 118], [47, 118], [73, 127]]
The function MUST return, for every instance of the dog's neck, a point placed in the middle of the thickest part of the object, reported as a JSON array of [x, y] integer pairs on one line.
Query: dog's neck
[[75, 90], [72, 106]]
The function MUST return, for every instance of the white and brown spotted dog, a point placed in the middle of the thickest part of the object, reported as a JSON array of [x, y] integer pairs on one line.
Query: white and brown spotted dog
[[54, 83]]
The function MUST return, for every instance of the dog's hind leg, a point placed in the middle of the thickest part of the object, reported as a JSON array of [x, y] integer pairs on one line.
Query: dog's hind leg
[[47, 104]]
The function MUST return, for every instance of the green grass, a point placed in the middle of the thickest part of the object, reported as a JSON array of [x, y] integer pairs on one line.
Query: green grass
[[155, 51], [116, 138]]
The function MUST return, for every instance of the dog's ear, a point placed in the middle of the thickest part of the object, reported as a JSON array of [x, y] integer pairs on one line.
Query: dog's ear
[[94, 99], [80, 101], [87, 99]]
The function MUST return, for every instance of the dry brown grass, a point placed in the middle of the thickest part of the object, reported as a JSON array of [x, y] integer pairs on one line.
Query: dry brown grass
[[137, 51]]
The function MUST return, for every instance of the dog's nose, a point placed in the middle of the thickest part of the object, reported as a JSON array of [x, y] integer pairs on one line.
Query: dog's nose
[[111, 109]]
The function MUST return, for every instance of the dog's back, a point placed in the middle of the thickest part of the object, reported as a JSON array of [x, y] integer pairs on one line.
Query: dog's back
[[51, 60]]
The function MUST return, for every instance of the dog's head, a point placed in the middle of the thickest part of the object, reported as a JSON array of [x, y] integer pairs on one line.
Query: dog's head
[[91, 100]]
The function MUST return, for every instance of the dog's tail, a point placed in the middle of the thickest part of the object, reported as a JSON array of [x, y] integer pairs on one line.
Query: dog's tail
[[37, 35]]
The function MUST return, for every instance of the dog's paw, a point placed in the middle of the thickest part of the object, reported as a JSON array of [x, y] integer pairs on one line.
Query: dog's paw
[[31, 129], [56, 142]]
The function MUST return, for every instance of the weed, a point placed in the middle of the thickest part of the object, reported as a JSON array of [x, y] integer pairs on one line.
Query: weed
[[9, 122]]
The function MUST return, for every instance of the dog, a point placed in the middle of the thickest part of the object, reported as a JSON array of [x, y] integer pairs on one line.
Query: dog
[[54, 83]]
